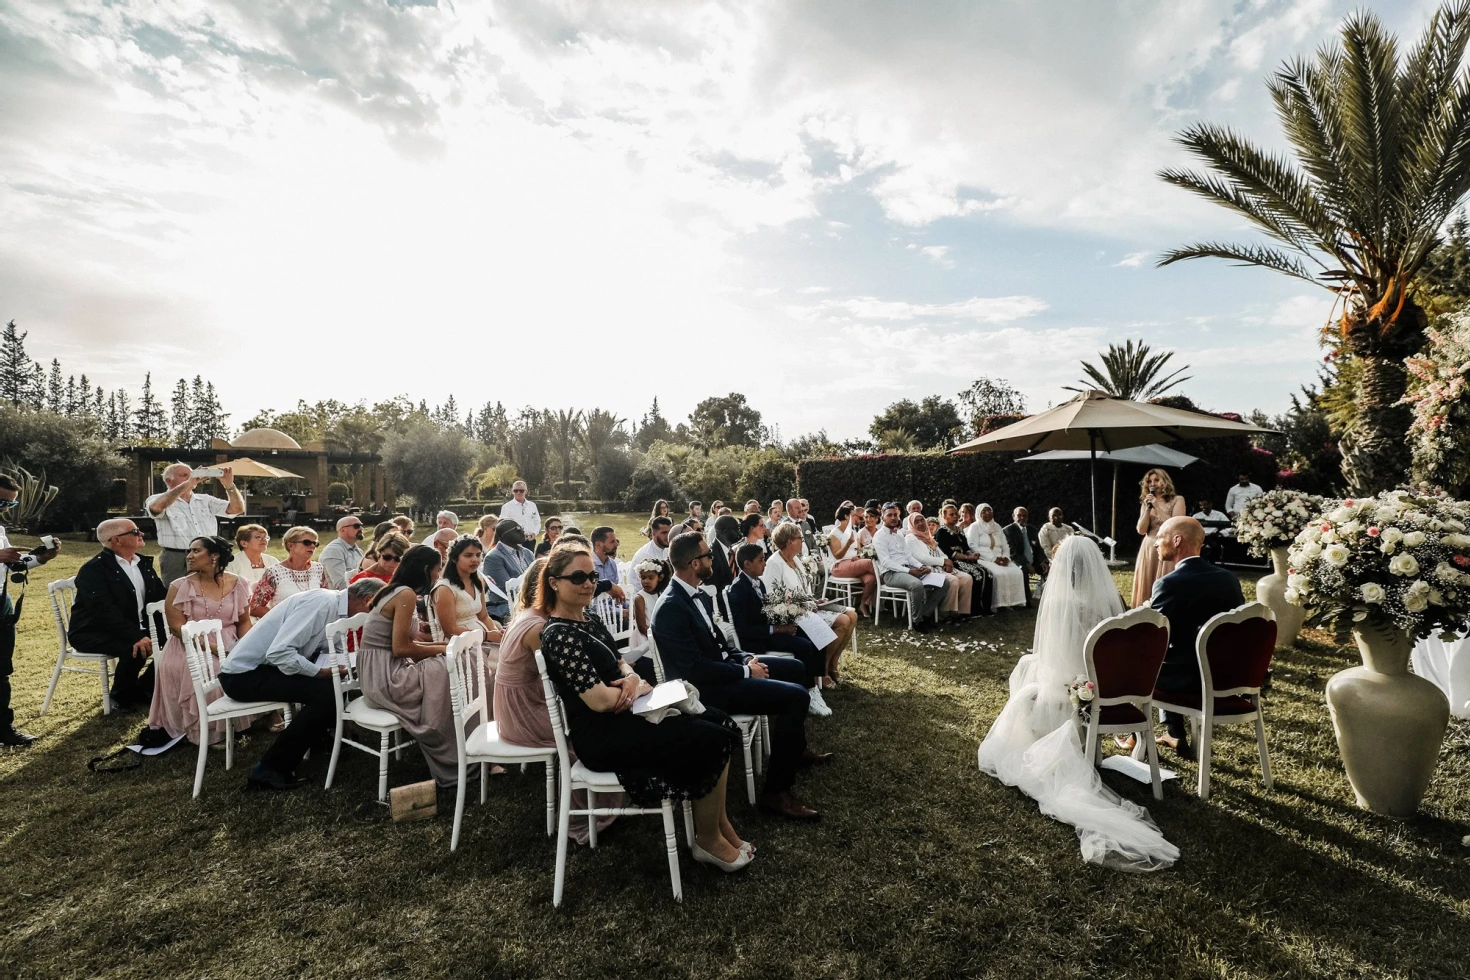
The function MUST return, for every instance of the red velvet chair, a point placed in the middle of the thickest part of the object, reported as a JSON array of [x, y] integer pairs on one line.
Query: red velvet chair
[[1234, 650], [1124, 654]]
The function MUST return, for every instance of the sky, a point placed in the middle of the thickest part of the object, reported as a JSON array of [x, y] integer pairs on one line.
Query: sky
[[826, 206]]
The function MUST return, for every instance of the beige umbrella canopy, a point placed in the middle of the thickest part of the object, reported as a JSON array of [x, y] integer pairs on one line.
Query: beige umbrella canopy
[[245, 466], [1095, 421]]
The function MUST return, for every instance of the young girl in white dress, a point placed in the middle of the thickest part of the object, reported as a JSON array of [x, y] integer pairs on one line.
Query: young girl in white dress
[[653, 578]]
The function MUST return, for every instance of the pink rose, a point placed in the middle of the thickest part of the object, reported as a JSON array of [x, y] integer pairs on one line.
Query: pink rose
[[1373, 532], [1326, 527], [1461, 560], [1347, 503]]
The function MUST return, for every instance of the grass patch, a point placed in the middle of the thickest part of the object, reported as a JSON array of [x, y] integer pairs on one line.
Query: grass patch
[[921, 866]]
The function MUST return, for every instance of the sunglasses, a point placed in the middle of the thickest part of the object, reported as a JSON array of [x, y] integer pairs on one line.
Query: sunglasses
[[708, 554], [7, 504], [125, 534], [354, 525], [578, 578], [387, 557], [309, 544], [518, 491], [553, 527]]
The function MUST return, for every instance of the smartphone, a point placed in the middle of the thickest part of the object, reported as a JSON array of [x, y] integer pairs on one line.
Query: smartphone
[[205, 472], [48, 542]]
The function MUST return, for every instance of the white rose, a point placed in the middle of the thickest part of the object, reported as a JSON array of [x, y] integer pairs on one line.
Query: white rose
[[1404, 565], [1387, 547], [1294, 580], [1372, 592], [1393, 535], [1336, 554], [1414, 539], [1446, 572], [1293, 596], [1416, 602], [1349, 528], [1454, 525], [1311, 550], [1436, 597], [1340, 514]]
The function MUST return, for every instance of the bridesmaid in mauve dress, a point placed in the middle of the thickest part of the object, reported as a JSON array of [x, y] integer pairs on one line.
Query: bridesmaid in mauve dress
[[206, 592], [1159, 504], [404, 676]]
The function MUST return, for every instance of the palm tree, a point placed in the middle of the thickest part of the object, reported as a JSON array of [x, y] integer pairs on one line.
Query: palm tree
[[602, 428], [1131, 372], [566, 432], [1380, 160]]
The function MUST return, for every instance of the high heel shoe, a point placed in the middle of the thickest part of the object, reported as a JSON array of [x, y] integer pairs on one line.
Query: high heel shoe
[[705, 857]]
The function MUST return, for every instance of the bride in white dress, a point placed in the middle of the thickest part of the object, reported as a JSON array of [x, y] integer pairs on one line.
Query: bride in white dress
[[1036, 743]]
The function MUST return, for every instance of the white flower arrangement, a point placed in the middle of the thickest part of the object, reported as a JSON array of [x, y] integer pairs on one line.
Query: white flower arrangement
[[865, 551], [1401, 558], [1081, 691], [1274, 519], [784, 606], [811, 566]]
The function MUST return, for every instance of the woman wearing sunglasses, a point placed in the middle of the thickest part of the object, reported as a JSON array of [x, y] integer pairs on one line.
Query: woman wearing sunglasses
[[684, 757], [389, 552], [298, 573]]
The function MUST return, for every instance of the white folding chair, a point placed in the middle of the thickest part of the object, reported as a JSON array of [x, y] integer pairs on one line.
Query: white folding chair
[[606, 609], [200, 639], [465, 659], [361, 712], [63, 593], [157, 624], [431, 616], [845, 588], [578, 776], [898, 599], [513, 588], [1123, 654]]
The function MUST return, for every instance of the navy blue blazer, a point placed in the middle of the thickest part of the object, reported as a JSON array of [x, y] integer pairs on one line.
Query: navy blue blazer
[[1188, 596], [753, 626], [500, 566], [690, 650]]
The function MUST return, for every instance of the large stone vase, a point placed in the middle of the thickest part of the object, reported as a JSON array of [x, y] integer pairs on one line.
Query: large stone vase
[[1271, 590], [1389, 722]]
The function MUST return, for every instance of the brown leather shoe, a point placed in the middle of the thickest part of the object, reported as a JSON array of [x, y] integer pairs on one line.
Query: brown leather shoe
[[810, 758], [786, 805]]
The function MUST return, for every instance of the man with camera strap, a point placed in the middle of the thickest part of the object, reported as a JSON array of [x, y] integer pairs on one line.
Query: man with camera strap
[[17, 563]]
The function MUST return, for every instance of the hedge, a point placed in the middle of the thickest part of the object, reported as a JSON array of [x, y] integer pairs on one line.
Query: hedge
[[997, 479]]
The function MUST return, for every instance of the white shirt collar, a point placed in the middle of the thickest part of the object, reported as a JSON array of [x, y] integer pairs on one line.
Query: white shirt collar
[[688, 589]]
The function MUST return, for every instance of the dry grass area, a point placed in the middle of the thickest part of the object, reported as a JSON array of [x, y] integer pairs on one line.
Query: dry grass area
[[921, 866]]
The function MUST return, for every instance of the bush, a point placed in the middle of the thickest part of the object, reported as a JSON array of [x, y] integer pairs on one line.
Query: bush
[[651, 481], [715, 474], [337, 493], [70, 455], [612, 471], [428, 463], [767, 475]]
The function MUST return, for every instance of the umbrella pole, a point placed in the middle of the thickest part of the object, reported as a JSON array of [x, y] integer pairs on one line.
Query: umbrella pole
[[1092, 476], [1113, 548]]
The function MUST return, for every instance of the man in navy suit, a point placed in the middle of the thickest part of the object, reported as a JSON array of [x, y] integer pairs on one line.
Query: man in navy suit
[[747, 599], [1188, 596], [693, 649], [507, 560]]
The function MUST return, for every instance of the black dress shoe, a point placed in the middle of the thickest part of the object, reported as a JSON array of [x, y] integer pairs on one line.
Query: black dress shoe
[[20, 740], [922, 626], [269, 779]]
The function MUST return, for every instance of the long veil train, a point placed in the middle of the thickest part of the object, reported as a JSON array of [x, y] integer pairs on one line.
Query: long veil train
[[1036, 744]]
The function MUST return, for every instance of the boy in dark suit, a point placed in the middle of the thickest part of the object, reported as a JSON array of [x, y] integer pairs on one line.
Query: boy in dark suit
[[747, 611]]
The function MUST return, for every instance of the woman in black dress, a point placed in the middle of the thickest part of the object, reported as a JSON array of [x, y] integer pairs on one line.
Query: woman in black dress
[[951, 540], [684, 757]]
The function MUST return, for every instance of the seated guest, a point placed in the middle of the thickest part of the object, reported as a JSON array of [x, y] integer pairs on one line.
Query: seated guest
[[659, 529], [753, 531], [987, 540], [388, 552], [752, 507], [379, 533], [967, 516], [925, 551], [683, 757], [914, 507], [950, 538], [277, 661], [251, 561], [507, 560], [486, 533], [872, 519], [1239, 495], [553, 531], [206, 591], [660, 509], [842, 545], [440, 541], [758, 636], [342, 556], [404, 676], [605, 554], [727, 538], [899, 570], [113, 587], [404, 523], [653, 577], [447, 520], [694, 649], [695, 510], [1024, 547], [459, 596], [775, 515], [1053, 533], [298, 573], [782, 571]]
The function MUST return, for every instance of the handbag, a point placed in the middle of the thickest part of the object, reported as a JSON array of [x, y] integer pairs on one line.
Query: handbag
[[416, 801]]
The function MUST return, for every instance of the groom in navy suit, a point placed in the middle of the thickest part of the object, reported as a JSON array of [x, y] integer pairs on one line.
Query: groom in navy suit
[[694, 649], [1188, 596]]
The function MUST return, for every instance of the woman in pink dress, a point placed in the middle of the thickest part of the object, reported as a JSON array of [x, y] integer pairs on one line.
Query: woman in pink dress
[[843, 542], [206, 592], [1159, 503]]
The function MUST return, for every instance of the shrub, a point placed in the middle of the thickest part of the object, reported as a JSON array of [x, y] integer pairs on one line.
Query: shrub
[[708, 476], [611, 472], [767, 475], [337, 493], [428, 463], [70, 454], [651, 481]]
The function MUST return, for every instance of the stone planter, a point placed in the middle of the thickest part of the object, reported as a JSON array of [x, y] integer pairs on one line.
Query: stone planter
[[1389, 723], [1271, 590]]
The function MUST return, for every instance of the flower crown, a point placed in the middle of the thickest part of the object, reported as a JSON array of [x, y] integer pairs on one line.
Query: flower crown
[[650, 565]]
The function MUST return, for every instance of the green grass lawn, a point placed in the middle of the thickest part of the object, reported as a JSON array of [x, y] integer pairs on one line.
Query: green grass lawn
[[920, 867]]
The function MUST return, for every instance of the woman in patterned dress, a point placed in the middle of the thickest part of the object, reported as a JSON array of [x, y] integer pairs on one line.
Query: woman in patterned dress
[[298, 573]]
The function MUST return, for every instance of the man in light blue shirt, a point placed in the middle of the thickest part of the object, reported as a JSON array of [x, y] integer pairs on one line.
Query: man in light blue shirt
[[276, 661]]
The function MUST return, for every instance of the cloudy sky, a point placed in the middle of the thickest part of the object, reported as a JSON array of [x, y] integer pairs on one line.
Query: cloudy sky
[[827, 206]]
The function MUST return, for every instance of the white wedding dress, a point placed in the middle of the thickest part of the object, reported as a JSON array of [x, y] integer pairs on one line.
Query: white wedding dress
[[1036, 743]]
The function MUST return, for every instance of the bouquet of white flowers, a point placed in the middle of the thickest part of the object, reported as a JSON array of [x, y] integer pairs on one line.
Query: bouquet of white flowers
[[1081, 691], [811, 566], [784, 606], [865, 551], [1273, 520], [1402, 558]]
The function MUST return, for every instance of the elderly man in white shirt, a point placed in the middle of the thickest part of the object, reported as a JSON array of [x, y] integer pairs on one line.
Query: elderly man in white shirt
[[341, 558], [897, 569], [1241, 494], [523, 512], [181, 515], [444, 519]]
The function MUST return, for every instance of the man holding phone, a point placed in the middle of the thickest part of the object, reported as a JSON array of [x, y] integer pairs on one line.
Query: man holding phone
[[13, 560], [182, 515]]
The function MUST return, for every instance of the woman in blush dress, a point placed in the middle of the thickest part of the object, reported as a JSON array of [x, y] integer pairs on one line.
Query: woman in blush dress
[[1158, 503], [843, 542]]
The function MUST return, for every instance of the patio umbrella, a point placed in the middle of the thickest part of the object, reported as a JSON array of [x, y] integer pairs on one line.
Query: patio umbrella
[[245, 466], [1095, 420]]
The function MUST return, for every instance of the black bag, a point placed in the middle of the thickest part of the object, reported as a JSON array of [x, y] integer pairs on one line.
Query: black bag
[[12, 617]]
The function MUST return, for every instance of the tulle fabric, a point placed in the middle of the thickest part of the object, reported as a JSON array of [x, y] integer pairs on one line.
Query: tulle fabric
[[1036, 744]]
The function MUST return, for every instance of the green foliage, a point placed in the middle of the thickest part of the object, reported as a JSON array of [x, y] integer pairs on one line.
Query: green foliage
[[429, 463], [495, 482], [565, 430], [337, 493], [69, 451], [1445, 278], [987, 398], [654, 428], [768, 474], [651, 481], [715, 474], [1135, 373], [17, 376], [1304, 444], [612, 471], [727, 421], [530, 443], [933, 424]]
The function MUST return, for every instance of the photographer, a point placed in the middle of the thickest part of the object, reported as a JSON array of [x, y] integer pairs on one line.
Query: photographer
[[18, 563], [180, 515]]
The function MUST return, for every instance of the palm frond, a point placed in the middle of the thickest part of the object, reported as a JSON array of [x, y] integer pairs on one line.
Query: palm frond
[[1245, 255], [1371, 118]]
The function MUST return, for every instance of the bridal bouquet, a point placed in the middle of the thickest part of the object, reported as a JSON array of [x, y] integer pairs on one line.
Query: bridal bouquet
[[784, 606], [1402, 558], [1273, 520], [865, 551]]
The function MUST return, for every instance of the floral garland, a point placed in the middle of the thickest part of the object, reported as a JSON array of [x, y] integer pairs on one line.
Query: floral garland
[[1401, 558], [1274, 519], [1439, 394]]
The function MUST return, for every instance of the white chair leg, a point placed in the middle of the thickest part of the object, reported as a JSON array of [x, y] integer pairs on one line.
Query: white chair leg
[[591, 819], [336, 751], [229, 744], [458, 810], [748, 739], [203, 753], [564, 827], [1206, 731], [550, 797], [1153, 762], [106, 695], [689, 825], [1261, 742], [671, 845], [1093, 748], [384, 752], [55, 676]]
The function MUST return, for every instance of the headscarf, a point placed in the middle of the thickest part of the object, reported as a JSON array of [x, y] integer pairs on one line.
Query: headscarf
[[990, 527], [919, 528]]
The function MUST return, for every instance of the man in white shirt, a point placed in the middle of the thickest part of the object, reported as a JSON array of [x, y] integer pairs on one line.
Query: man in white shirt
[[181, 515], [1239, 495], [658, 541], [897, 569], [1207, 512], [341, 558], [523, 512], [11, 559], [277, 661], [445, 519], [1053, 532]]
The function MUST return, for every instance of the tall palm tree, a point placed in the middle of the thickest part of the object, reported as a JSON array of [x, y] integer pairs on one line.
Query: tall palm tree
[[602, 428], [566, 433], [1131, 372], [1380, 159]]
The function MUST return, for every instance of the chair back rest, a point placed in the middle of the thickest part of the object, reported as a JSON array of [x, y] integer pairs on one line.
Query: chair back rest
[[464, 657], [337, 654], [157, 624], [556, 712], [1235, 648], [513, 588], [606, 609], [651, 652], [431, 616], [1124, 654], [200, 639], [63, 593]]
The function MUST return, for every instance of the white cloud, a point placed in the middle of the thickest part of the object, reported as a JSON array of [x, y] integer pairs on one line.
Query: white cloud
[[1132, 260], [981, 309], [939, 254]]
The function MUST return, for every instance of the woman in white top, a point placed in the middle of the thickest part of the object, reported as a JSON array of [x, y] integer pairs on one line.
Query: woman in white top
[[298, 573], [459, 596], [842, 555], [925, 551], [782, 571], [250, 564], [988, 541]]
